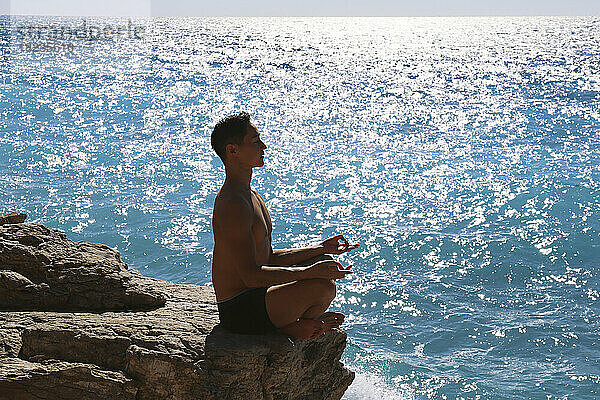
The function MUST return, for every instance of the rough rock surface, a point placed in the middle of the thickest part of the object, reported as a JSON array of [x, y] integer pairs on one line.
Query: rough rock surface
[[75, 323]]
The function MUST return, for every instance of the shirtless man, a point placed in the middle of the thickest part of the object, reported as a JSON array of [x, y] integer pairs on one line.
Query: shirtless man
[[259, 289]]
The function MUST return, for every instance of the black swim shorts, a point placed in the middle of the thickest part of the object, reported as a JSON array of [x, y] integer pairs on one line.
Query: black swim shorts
[[246, 312]]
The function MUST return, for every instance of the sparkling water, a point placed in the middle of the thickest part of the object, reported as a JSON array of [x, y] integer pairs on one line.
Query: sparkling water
[[461, 153]]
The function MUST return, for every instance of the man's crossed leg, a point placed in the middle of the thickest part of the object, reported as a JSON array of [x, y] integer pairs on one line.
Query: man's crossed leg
[[298, 308]]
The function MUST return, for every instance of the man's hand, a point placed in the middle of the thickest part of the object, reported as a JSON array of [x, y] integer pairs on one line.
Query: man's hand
[[337, 245], [327, 269]]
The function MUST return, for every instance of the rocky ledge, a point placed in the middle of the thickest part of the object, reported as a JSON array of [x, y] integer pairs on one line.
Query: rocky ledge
[[76, 323]]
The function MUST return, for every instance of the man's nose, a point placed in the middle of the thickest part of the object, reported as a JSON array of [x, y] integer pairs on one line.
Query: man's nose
[[264, 146]]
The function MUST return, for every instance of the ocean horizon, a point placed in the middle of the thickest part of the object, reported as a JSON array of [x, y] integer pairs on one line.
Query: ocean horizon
[[462, 153]]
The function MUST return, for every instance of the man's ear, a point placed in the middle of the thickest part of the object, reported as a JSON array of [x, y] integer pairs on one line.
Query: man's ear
[[231, 148]]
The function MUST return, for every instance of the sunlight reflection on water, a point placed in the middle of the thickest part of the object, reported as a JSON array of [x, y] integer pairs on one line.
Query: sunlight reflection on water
[[462, 153]]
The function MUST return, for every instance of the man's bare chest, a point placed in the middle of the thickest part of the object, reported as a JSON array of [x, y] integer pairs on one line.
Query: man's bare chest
[[262, 220]]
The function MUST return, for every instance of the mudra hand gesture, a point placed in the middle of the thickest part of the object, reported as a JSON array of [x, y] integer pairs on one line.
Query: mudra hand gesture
[[337, 245]]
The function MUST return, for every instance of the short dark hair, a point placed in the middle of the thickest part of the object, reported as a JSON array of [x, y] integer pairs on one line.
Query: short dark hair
[[230, 129]]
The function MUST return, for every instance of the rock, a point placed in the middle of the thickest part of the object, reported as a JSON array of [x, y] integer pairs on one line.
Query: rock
[[13, 218], [76, 323], [41, 269]]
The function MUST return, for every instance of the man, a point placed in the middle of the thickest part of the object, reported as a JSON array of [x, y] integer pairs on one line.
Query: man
[[260, 289]]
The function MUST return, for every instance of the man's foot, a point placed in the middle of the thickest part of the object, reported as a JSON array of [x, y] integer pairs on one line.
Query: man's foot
[[312, 328], [304, 329], [331, 321]]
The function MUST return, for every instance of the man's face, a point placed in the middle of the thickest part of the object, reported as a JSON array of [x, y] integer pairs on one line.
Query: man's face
[[251, 151]]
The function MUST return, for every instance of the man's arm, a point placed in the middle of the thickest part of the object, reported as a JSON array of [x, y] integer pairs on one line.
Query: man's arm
[[289, 257], [237, 229], [334, 245]]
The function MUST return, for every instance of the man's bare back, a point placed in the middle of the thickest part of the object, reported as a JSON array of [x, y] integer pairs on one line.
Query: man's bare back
[[224, 275], [258, 288]]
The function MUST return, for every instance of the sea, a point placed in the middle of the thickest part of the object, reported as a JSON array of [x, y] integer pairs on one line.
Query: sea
[[462, 154]]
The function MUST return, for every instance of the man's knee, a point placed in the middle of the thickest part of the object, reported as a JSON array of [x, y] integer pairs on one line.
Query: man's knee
[[324, 289]]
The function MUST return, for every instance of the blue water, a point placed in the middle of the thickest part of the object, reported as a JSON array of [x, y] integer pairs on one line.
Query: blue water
[[462, 153]]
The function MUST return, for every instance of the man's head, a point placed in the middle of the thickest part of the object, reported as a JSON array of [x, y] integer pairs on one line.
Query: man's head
[[235, 137]]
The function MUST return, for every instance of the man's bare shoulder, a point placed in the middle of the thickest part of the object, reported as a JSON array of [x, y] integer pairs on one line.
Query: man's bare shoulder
[[232, 207], [258, 195]]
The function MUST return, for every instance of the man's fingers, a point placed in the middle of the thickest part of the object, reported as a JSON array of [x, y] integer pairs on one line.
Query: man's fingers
[[352, 247], [340, 240], [347, 248], [342, 272], [339, 273]]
